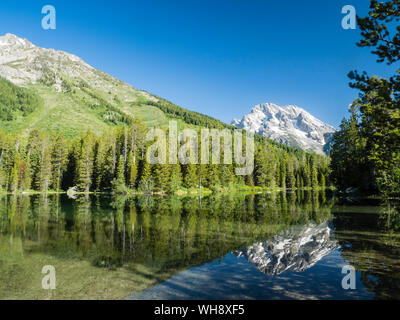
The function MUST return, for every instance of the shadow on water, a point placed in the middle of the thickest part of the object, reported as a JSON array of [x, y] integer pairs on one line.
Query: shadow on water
[[105, 247]]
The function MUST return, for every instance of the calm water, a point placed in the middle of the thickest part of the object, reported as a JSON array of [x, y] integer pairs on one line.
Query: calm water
[[266, 246]]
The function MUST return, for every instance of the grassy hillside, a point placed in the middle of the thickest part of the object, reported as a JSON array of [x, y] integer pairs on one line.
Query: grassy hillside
[[73, 110], [78, 106]]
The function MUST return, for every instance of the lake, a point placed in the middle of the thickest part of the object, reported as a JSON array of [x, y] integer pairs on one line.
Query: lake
[[231, 246]]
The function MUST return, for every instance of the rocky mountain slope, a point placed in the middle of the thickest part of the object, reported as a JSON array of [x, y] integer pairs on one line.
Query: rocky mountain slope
[[289, 125], [76, 95]]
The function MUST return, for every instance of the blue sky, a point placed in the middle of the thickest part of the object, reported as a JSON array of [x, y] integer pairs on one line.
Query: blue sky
[[216, 57]]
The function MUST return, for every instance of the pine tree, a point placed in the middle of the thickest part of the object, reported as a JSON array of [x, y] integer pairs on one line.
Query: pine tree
[[107, 161], [260, 168], [271, 160], [379, 108], [191, 178], [249, 180], [306, 173], [202, 175], [45, 168], [58, 161], [119, 182], [176, 178], [283, 170], [349, 166], [132, 171], [99, 161], [26, 174], [145, 170], [85, 163], [290, 178], [15, 175], [160, 176], [3, 178], [227, 176], [146, 183]]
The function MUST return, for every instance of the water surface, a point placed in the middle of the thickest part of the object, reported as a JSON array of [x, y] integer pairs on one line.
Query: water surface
[[231, 246]]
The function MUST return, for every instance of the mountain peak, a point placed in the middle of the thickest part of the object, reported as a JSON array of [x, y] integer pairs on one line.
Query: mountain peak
[[21, 62], [10, 39], [290, 124], [9, 36]]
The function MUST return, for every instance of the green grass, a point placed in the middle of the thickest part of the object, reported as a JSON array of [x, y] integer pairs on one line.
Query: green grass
[[82, 107], [76, 111], [149, 115]]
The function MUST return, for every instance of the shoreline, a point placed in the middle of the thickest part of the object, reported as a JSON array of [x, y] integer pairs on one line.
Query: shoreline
[[181, 192]]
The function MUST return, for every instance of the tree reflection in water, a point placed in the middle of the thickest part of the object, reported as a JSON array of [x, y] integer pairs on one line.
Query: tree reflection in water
[[168, 234]]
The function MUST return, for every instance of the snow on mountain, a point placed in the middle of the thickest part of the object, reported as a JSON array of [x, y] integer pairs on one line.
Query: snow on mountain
[[289, 125], [296, 249]]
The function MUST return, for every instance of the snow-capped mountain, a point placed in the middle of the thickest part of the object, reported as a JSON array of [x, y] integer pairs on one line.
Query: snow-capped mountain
[[289, 125], [296, 249]]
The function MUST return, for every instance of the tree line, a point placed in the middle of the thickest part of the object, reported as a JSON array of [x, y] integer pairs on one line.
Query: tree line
[[15, 100], [116, 162], [366, 151]]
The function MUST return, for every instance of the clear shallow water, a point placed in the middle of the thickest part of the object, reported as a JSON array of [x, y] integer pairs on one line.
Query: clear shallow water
[[236, 278], [267, 246]]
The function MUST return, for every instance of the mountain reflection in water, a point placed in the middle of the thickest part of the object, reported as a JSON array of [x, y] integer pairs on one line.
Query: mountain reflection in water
[[296, 249]]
